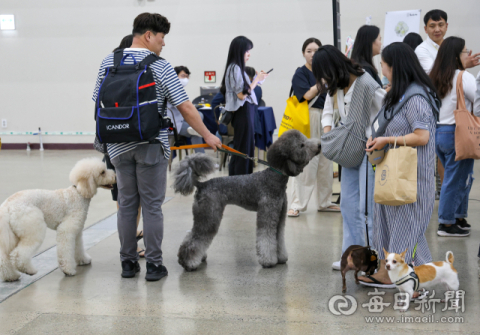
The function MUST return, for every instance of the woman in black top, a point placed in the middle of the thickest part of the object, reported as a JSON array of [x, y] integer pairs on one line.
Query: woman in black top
[[318, 174], [368, 44]]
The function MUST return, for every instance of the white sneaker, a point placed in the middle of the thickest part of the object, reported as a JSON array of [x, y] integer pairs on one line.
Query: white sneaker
[[336, 266], [193, 132]]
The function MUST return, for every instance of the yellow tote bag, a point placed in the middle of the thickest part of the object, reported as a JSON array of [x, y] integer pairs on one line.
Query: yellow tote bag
[[296, 116]]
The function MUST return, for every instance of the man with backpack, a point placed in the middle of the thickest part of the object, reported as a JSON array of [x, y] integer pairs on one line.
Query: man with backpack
[[133, 86]]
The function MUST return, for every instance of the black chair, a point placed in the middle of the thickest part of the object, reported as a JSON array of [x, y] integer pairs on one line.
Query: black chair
[[261, 103]]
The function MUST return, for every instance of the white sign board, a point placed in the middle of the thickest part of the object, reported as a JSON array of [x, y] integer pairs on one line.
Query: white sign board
[[399, 24]]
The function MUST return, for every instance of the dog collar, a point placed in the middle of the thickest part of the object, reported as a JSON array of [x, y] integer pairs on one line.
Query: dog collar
[[411, 276]]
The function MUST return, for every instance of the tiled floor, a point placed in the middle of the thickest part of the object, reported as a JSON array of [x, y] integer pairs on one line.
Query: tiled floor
[[231, 294]]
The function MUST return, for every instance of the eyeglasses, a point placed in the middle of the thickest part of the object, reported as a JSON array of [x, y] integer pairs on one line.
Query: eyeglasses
[[466, 51]]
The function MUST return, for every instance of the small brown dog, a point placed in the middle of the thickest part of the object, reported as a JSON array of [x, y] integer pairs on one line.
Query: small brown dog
[[358, 258]]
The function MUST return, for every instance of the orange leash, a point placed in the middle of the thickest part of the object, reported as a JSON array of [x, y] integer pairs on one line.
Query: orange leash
[[196, 146], [227, 149]]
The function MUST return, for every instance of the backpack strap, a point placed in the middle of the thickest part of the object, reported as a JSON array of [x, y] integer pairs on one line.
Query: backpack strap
[[149, 60], [117, 57]]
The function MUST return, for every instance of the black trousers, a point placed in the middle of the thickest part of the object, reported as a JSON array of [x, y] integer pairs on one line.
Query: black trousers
[[243, 140]]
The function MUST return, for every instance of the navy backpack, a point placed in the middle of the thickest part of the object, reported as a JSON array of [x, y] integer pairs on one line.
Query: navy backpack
[[126, 108]]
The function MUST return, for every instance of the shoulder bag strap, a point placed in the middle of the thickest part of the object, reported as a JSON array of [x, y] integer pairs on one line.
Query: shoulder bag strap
[[460, 94]]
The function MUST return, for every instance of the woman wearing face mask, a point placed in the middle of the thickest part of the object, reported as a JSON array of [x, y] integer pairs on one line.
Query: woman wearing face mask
[[318, 174], [183, 128], [368, 43], [241, 100]]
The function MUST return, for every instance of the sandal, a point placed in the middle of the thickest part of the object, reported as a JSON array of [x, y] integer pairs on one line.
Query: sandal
[[140, 235], [331, 208], [293, 213], [376, 283], [141, 253]]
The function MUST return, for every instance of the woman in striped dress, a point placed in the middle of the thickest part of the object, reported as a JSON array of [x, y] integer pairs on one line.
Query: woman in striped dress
[[397, 228]]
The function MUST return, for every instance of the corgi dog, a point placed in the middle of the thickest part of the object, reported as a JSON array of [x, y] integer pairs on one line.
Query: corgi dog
[[409, 278]]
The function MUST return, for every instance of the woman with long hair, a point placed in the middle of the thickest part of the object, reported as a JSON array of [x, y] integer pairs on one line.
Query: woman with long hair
[[458, 176], [368, 43], [318, 174], [358, 93], [241, 100], [126, 42], [413, 40], [408, 117]]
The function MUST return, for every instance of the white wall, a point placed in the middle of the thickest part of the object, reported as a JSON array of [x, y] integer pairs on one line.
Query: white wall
[[49, 64]]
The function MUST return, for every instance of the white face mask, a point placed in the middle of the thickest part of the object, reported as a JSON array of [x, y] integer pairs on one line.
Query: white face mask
[[184, 81]]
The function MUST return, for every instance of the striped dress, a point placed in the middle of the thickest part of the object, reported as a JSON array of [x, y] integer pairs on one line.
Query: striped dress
[[397, 228]]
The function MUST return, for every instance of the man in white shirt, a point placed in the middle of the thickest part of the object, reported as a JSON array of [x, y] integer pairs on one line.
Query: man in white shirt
[[436, 27]]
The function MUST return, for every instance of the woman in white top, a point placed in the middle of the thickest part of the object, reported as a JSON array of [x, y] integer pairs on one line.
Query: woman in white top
[[458, 178], [341, 75]]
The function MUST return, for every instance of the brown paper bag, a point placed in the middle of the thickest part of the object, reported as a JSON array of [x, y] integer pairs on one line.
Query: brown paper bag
[[467, 131], [396, 177]]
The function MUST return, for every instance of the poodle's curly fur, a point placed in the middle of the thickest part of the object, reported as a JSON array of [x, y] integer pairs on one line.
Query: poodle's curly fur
[[263, 192], [25, 216]]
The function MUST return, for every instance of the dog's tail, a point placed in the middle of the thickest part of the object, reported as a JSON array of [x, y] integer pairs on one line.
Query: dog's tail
[[449, 257], [190, 171], [8, 239]]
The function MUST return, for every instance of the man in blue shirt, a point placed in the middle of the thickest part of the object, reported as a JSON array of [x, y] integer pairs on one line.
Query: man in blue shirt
[[141, 167]]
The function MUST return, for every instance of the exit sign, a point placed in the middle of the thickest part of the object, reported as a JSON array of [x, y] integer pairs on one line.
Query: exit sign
[[210, 77]]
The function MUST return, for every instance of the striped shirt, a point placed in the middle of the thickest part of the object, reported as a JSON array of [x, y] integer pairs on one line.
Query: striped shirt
[[167, 85]]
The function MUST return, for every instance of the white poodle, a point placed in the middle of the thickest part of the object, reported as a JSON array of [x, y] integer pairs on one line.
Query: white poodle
[[25, 216]]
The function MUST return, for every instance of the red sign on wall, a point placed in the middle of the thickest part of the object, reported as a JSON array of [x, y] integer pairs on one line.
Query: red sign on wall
[[210, 77]]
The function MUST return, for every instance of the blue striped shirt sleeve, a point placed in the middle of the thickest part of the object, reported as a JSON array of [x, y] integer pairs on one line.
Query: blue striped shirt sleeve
[[419, 113], [100, 74], [171, 86]]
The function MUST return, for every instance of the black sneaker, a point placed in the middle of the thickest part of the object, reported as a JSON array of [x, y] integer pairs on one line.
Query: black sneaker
[[129, 269], [453, 230], [155, 273], [463, 224]]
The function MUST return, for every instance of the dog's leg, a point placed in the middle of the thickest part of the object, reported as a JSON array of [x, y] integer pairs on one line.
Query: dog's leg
[[30, 229], [408, 289], [356, 276], [344, 282], [206, 221], [7, 270], [67, 233], [282, 255], [81, 257], [268, 216]]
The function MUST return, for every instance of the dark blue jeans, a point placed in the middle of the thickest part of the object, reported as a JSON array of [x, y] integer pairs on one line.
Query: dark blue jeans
[[458, 178]]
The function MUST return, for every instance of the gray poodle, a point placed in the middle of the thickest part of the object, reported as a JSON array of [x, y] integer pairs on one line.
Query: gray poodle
[[263, 192]]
